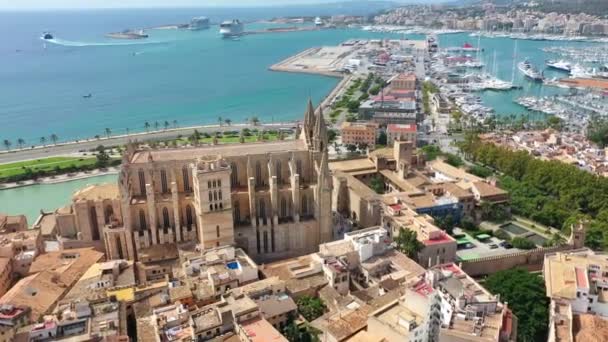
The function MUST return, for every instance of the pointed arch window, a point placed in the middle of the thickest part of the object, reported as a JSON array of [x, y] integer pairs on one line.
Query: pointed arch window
[[258, 174], [166, 222], [234, 175], [142, 219], [186, 179], [299, 169], [189, 219], [163, 181], [278, 172], [108, 213], [283, 207], [237, 212], [142, 182]]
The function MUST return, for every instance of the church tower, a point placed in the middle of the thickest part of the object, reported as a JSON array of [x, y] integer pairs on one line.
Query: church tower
[[309, 122], [324, 199]]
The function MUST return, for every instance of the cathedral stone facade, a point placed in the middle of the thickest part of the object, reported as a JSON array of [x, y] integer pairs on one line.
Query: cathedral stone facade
[[273, 199]]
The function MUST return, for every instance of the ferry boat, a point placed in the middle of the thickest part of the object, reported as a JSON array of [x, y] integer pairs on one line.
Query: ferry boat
[[529, 71], [231, 28], [199, 23], [559, 65]]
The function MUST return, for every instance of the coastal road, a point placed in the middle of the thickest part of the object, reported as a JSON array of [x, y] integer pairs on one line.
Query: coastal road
[[69, 148]]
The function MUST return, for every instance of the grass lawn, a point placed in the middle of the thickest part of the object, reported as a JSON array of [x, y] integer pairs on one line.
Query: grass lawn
[[47, 164], [227, 139]]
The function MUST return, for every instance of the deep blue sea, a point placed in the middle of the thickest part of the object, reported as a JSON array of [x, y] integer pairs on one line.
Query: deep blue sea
[[191, 77]]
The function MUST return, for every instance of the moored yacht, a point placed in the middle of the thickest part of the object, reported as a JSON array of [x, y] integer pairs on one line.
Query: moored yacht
[[559, 65], [530, 71]]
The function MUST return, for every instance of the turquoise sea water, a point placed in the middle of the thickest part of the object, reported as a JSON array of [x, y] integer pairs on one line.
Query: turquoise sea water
[[191, 77], [29, 200]]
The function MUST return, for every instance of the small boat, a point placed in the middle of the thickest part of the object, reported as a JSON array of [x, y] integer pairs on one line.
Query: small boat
[[47, 36], [88, 96], [559, 65]]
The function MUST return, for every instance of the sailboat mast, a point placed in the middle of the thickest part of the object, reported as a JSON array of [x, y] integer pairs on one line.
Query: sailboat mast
[[514, 61]]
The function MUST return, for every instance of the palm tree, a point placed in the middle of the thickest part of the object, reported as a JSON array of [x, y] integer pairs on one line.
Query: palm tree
[[220, 120], [254, 120], [127, 130], [7, 144], [97, 137], [156, 125], [108, 132], [147, 126], [166, 124], [174, 123], [54, 138], [20, 142], [228, 121], [43, 140]]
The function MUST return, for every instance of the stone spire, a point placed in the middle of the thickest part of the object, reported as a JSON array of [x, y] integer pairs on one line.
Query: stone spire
[[320, 133], [309, 119]]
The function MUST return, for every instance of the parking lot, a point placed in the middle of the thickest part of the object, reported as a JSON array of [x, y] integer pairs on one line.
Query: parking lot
[[480, 249]]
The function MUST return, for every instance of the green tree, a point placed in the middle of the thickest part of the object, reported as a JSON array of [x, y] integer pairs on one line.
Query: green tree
[[310, 307], [166, 124], [331, 135], [382, 139], [147, 126], [522, 243], [20, 142], [377, 184], [447, 223], [254, 120], [7, 144], [555, 240], [174, 123], [156, 125], [453, 160], [555, 122], [303, 333], [220, 120], [525, 292], [228, 122], [108, 132], [408, 244], [353, 106], [54, 138], [102, 156], [431, 152], [351, 148], [42, 141]]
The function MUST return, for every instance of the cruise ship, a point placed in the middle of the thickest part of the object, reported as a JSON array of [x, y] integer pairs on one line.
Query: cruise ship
[[231, 28], [199, 23], [529, 71], [559, 65]]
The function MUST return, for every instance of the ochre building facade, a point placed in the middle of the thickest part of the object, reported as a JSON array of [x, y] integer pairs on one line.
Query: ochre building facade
[[273, 199]]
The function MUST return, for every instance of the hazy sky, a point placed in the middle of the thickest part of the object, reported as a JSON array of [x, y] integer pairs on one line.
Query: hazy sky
[[45, 4]]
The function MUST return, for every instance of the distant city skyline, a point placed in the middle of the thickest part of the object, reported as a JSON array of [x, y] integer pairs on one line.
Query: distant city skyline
[[83, 4]]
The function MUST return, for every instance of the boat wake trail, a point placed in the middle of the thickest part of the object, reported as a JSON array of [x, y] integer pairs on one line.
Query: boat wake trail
[[71, 43]]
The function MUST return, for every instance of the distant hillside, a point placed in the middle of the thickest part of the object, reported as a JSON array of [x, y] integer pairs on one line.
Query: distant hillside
[[597, 7]]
